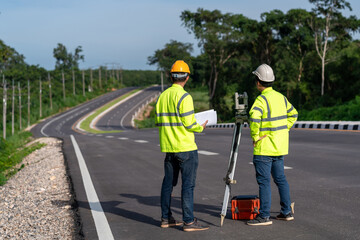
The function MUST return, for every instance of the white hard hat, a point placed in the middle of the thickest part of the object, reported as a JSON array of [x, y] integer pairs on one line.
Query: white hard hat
[[265, 73]]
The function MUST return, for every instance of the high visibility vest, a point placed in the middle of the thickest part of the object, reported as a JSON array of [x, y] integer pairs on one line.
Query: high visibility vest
[[176, 120], [272, 115]]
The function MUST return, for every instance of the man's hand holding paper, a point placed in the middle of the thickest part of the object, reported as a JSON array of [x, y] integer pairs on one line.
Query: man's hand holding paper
[[208, 118]]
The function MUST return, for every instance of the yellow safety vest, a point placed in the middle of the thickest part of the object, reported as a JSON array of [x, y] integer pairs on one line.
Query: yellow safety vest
[[176, 120], [272, 115]]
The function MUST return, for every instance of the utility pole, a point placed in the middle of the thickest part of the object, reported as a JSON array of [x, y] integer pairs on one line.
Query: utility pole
[[40, 93], [13, 109], [73, 77], [51, 105], [117, 76], [91, 80], [4, 107], [121, 77], [20, 125], [106, 76], [83, 82], [63, 83], [100, 84], [28, 103]]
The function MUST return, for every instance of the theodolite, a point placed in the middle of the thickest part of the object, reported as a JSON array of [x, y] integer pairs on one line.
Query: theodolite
[[241, 106]]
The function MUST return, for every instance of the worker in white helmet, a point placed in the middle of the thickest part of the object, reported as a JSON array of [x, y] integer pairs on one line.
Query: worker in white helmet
[[271, 118]]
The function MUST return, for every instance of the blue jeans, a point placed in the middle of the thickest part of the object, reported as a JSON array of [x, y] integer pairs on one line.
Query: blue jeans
[[265, 166], [187, 163]]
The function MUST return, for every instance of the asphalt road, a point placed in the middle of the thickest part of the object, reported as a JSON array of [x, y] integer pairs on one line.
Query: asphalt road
[[126, 170]]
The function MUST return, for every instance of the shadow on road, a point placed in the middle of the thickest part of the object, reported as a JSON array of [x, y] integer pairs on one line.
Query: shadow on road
[[114, 207], [175, 205]]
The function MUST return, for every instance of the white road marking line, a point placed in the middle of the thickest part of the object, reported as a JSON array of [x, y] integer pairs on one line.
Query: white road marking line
[[99, 135], [101, 224], [109, 136], [123, 138], [207, 153], [141, 141], [63, 115], [285, 167], [130, 111]]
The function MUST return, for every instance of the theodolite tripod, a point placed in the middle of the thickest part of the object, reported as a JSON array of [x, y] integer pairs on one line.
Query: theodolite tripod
[[240, 118]]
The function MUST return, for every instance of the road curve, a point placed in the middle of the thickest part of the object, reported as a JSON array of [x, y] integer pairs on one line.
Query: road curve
[[126, 171]]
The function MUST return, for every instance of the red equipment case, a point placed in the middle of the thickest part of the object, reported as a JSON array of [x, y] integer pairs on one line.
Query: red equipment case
[[245, 207]]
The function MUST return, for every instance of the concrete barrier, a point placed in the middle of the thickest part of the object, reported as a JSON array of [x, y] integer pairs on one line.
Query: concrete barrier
[[332, 125]]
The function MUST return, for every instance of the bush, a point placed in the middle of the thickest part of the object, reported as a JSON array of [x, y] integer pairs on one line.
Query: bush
[[12, 151], [349, 111]]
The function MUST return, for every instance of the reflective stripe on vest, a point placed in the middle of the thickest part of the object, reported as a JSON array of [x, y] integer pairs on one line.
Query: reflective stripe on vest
[[269, 118], [177, 114]]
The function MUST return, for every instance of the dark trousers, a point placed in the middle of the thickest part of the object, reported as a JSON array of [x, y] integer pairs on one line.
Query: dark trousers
[[187, 164]]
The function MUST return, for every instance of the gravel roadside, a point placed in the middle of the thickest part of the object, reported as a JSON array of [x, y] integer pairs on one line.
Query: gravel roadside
[[37, 203]]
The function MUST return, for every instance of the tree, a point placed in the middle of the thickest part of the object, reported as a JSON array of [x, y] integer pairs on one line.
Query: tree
[[164, 58], [65, 60], [329, 28], [9, 57], [291, 42], [214, 31], [297, 36]]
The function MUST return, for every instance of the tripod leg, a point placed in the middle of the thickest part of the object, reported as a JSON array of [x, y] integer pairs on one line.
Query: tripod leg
[[231, 169]]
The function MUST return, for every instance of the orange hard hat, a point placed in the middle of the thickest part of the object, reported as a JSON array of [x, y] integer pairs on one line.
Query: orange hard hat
[[180, 66]]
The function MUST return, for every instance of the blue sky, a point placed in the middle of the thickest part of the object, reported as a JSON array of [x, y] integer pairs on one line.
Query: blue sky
[[114, 32]]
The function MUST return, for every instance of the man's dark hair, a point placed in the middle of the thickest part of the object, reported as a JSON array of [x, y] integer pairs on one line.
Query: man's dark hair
[[265, 84], [179, 76]]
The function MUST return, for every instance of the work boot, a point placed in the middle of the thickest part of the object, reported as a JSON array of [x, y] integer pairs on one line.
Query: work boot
[[259, 221], [287, 217], [194, 226], [170, 222]]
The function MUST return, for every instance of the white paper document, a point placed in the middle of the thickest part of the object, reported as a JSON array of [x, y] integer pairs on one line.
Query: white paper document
[[209, 115]]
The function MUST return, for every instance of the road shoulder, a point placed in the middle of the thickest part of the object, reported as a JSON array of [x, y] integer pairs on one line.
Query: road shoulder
[[37, 202]]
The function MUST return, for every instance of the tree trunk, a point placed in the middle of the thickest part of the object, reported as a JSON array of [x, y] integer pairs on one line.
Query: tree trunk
[[214, 83], [301, 68], [322, 76]]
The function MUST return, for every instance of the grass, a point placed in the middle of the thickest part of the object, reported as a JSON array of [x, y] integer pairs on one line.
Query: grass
[[85, 124], [12, 152], [148, 121], [201, 99]]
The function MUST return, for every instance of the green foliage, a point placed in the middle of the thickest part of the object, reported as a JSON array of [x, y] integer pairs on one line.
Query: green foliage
[[200, 98], [140, 78], [220, 42], [147, 122], [2, 179], [233, 46], [12, 151], [173, 51], [9, 57], [66, 60], [111, 79], [349, 111], [30, 78]]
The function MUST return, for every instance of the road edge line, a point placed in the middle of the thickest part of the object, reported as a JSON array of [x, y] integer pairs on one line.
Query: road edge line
[[100, 115], [101, 224]]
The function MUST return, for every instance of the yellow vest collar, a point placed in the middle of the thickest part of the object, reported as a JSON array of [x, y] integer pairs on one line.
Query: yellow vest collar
[[267, 90], [176, 85]]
